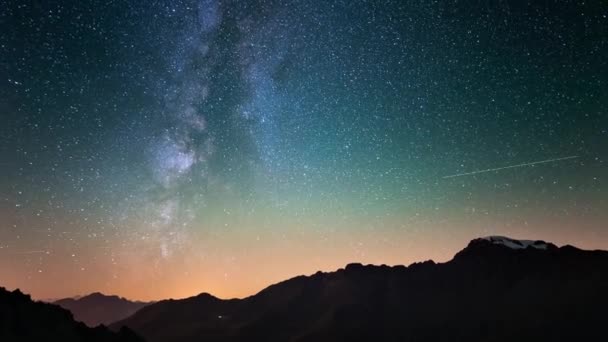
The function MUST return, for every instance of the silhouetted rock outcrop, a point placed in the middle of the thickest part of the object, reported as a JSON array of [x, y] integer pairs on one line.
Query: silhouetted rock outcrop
[[496, 289], [97, 308], [22, 319]]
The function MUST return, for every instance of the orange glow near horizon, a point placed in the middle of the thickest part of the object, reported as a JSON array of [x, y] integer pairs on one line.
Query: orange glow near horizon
[[252, 266]]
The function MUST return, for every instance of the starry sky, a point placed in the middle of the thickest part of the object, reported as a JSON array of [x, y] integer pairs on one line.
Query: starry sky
[[156, 149]]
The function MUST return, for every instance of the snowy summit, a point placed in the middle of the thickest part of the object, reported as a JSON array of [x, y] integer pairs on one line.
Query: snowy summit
[[516, 244]]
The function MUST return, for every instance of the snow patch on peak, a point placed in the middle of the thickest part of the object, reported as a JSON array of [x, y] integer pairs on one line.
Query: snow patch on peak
[[516, 244]]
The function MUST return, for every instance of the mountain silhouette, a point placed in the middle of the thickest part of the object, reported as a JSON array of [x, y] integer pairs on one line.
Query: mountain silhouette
[[496, 289], [97, 308], [23, 320]]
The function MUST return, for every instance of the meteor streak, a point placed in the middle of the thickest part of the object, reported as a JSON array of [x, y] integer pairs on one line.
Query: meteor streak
[[510, 167]]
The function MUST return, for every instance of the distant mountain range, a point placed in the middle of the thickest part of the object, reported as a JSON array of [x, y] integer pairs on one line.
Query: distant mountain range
[[23, 320], [97, 308], [496, 289]]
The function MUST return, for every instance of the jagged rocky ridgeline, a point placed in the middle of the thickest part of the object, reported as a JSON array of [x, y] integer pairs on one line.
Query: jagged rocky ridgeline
[[22, 319], [496, 289], [96, 308], [519, 244]]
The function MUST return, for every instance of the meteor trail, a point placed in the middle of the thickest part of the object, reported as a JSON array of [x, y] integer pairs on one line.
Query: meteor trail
[[509, 167]]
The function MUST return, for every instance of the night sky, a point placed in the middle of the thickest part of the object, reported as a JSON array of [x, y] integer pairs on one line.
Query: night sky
[[156, 149]]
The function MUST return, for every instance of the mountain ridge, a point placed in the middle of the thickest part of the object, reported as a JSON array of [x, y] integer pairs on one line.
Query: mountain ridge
[[478, 294], [97, 308], [22, 319]]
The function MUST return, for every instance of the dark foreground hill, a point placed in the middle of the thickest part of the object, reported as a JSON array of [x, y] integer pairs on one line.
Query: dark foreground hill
[[496, 289], [22, 319], [97, 308]]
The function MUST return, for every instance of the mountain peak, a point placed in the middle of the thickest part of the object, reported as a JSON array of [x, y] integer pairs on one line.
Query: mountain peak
[[205, 296], [502, 246], [98, 308], [28, 320], [97, 295], [518, 244]]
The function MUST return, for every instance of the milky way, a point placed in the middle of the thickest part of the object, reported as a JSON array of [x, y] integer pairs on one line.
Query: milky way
[[166, 148]]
